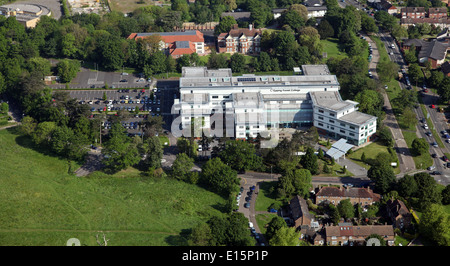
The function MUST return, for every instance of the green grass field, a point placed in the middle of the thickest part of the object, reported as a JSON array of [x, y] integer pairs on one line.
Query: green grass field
[[371, 151], [41, 204]]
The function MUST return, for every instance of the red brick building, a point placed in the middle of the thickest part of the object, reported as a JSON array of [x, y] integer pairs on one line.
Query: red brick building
[[177, 43], [413, 12], [344, 234], [240, 40], [437, 12], [334, 195]]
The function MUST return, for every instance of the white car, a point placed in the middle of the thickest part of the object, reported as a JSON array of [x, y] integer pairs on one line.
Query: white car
[[425, 126], [199, 147]]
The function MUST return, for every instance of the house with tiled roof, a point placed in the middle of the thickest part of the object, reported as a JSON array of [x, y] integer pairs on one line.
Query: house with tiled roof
[[334, 195], [399, 214], [346, 234], [437, 12], [434, 51], [240, 40], [177, 43], [413, 12]]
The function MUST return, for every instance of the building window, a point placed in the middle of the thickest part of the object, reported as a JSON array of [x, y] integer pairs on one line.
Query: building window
[[342, 125], [331, 121], [320, 124], [342, 131], [215, 97], [320, 117], [320, 111], [331, 114]]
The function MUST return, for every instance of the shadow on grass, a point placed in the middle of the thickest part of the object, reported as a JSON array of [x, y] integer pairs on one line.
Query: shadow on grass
[[26, 142], [180, 239]]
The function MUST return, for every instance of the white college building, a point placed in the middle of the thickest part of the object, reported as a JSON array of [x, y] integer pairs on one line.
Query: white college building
[[217, 103]]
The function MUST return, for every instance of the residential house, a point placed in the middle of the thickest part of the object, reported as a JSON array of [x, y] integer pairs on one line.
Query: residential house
[[240, 40], [433, 51], [398, 212], [437, 22], [387, 6], [177, 43], [437, 12], [300, 213], [413, 12], [347, 234], [334, 195], [238, 16]]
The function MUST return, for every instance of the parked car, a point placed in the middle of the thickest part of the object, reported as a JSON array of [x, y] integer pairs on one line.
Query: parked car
[[434, 144], [435, 173], [431, 168], [434, 155], [428, 133], [444, 158], [247, 205]]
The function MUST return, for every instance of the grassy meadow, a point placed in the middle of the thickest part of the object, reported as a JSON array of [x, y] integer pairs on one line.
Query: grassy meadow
[[41, 204]]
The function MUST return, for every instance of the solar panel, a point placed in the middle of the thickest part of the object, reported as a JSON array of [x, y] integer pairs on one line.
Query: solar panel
[[246, 79]]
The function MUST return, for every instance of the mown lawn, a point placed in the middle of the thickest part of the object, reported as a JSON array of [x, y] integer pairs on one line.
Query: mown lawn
[[371, 151], [41, 204]]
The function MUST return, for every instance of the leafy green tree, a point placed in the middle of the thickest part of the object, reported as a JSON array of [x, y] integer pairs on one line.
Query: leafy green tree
[[216, 61], [182, 166], [325, 29], [285, 236], [415, 73], [225, 25], [273, 226], [446, 195], [407, 186], [310, 38], [154, 152], [435, 225], [200, 236], [309, 161], [118, 151], [42, 135], [231, 230], [67, 70], [427, 190], [237, 63], [219, 177], [346, 209], [383, 176], [420, 146], [240, 155], [387, 70]]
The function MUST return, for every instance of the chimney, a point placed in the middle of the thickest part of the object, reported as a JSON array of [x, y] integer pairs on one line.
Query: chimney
[[250, 26]]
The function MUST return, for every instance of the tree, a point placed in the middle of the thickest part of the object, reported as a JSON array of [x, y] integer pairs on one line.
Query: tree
[[446, 195], [225, 25], [346, 209], [309, 161], [325, 29], [216, 61], [182, 166], [427, 190], [435, 225], [154, 152], [200, 236], [387, 70], [42, 135], [363, 157], [273, 226], [407, 186], [240, 155], [28, 125], [118, 151], [310, 38], [237, 63], [285, 236], [383, 176], [67, 70], [415, 73], [420, 146], [231, 230], [219, 177]]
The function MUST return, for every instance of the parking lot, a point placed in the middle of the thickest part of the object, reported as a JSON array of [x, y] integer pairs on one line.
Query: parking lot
[[150, 102]]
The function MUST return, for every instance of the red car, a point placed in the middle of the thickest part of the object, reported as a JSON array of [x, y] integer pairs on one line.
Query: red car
[[143, 90], [433, 106], [425, 90], [104, 108]]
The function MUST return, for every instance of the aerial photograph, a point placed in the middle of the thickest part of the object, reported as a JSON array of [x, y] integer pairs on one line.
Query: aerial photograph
[[208, 124]]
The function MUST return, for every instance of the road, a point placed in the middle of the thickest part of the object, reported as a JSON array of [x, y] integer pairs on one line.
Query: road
[[438, 119]]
